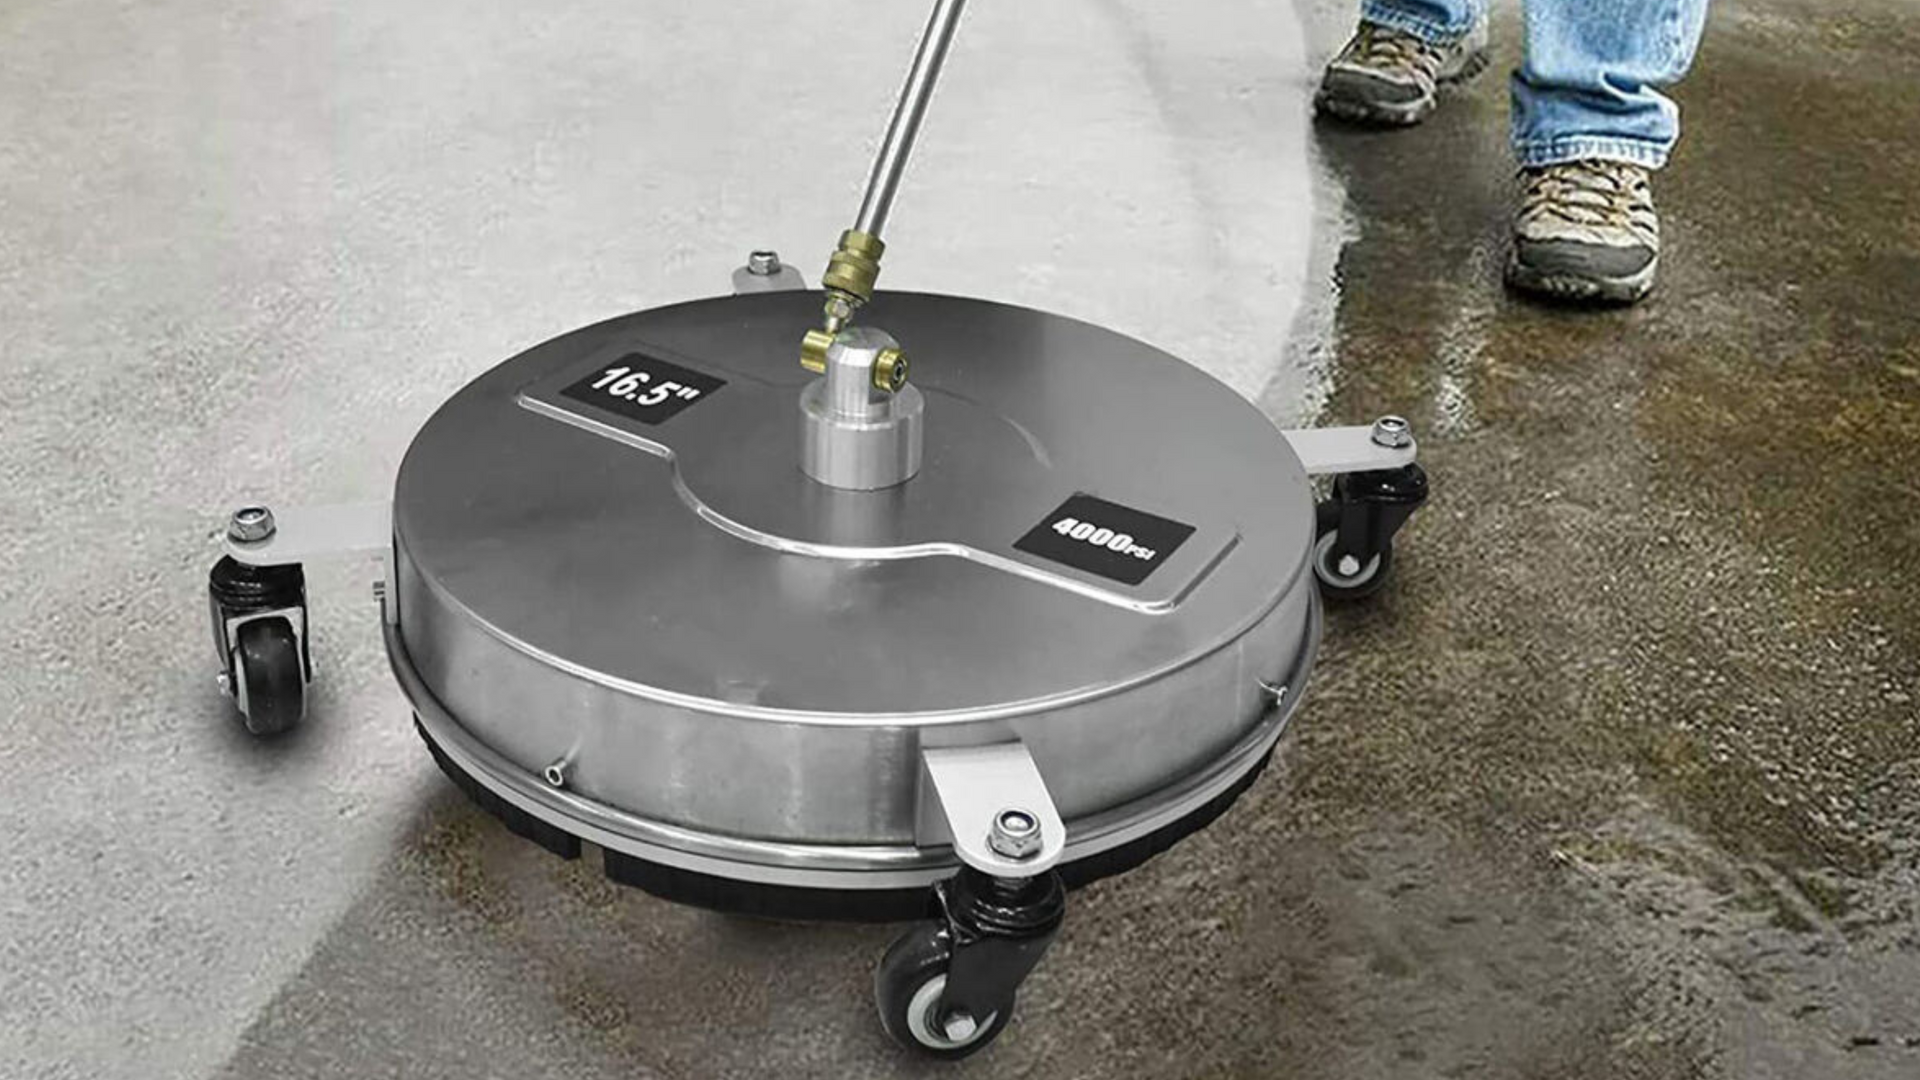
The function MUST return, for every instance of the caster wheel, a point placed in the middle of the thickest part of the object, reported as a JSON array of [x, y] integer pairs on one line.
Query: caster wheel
[[908, 988], [264, 664], [269, 686], [1346, 578]]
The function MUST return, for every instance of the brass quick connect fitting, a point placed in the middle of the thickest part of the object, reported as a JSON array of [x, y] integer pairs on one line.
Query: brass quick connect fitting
[[851, 273], [890, 370], [855, 267], [813, 351]]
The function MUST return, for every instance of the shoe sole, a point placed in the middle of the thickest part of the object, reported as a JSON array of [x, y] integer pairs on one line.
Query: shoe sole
[[1398, 114], [1586, 290]]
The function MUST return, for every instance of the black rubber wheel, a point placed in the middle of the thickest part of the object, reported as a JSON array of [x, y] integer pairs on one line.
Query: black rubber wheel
[[907, 988], [269, 687], [1334, 585]]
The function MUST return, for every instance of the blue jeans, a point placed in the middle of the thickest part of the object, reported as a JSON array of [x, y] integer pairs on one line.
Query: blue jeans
[[1589, 84]]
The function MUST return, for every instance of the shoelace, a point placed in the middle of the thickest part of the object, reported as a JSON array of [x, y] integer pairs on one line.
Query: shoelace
[[1608, 194], [1384, 47]]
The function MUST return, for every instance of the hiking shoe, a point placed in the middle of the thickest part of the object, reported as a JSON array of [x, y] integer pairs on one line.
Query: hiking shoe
[[1388, 76], [1586, 230]]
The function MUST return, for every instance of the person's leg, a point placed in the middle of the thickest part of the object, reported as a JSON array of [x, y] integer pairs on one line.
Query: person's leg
[[1434, 21], [1404, 49], [1589, 124]]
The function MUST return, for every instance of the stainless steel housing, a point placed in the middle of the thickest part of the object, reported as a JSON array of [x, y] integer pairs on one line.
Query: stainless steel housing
[[740, 665]]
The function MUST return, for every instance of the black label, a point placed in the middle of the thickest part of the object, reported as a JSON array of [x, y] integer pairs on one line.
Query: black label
[[644, 388], [1105, 538]]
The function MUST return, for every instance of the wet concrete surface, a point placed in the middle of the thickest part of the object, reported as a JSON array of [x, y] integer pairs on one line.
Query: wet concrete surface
[[1621, 778], [1653, 651]]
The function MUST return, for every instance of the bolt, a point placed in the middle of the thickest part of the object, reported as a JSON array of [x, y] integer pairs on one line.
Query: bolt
[[890, 370], [1015, 835], [251, 524], [959, 1025], [764, 263], [1349, 566], [1392, 432]]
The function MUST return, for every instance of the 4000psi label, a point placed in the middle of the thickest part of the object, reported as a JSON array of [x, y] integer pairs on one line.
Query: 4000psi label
[[643, 388], [1099, 537]]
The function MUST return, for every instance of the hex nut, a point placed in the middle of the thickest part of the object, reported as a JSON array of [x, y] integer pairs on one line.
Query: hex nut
[[1392, 432], [251, 524], [959, 1025], [1015, 835]]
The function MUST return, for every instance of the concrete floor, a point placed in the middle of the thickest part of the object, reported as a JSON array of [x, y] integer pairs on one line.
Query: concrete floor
[[1618, 780]]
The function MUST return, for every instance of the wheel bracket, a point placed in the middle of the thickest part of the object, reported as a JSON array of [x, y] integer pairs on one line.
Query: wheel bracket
[[307, 532], [1347, 449], [1374, 505], [999, 928], [964, 789]]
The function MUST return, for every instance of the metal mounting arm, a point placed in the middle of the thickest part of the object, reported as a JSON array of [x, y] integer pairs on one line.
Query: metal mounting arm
[[855, 266], [1386, 444]]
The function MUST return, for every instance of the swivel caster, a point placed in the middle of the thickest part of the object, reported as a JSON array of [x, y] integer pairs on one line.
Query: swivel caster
[[260, 635], [946, 988], [1354, 529], [910, 988]]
